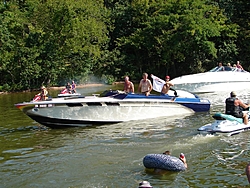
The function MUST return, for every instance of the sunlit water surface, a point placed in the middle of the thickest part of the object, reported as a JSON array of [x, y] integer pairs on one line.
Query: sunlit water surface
[[111, 155]]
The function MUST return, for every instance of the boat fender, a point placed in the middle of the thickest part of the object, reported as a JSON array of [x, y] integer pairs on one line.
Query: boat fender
[[162, 161]]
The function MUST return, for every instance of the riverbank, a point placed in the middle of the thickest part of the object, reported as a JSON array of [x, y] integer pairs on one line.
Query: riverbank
[[78, 86], [62, 87]]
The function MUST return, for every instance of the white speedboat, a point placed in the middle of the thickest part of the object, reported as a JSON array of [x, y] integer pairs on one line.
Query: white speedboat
[[213, 81], [59, 112], [224, 125]]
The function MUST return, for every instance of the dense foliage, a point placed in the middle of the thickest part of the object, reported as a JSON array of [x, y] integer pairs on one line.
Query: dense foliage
[[50, 42]]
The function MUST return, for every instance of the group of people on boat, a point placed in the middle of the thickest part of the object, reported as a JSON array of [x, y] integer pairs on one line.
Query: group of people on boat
[[43, 94], [145, 85], [229, 67], [69, 88]]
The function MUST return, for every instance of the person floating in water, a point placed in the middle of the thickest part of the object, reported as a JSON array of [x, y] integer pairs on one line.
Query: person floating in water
[[167, 152], [248, 172], [144, 184]]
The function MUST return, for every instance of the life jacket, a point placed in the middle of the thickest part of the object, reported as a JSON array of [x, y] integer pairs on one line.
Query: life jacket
[[231, 109]]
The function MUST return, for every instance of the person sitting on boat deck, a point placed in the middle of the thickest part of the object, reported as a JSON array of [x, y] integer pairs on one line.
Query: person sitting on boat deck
[[228, 67], [220, 67], [128, 85], [43, 93], [144, 184], [166, 86], [248, 172], [145, 85], [239, 67], [73, 87], [68, 87], [234, 105]]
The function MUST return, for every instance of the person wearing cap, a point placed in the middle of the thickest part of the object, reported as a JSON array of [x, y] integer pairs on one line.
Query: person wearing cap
[[234, 107], [128, 85], [166, 86], [144, 184], [145, 85]]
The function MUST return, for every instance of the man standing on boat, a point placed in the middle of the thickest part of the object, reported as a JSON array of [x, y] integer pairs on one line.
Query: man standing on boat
[[128, 85], [166, 86], [234, 107], [145, 85]]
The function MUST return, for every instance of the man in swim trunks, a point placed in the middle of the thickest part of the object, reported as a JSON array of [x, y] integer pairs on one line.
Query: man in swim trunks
[[145, 85], [128, 85], [166, 86], [233, 107]]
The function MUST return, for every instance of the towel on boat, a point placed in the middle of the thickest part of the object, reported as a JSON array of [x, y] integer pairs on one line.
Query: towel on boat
[[157, 83]]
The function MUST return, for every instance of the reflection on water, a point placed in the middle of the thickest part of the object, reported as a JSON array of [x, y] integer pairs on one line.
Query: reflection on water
[[111, 155]]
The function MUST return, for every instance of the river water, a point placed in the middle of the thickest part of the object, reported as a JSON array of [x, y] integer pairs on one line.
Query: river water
[[110, 156]]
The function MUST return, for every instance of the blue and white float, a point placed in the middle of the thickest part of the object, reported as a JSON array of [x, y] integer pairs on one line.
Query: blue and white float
[[164, 162]]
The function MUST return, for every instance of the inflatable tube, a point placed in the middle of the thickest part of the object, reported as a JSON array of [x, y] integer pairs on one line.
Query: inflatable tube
[[162, 161]]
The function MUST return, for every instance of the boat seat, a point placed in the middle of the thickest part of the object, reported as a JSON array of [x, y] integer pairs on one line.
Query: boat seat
[[221, 116]]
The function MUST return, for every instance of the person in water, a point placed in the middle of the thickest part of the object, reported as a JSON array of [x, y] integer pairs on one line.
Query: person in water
[[166, 86], [234, 107], [144, 184], [128, 85], [248, 172], [167, 152], [145, 85]]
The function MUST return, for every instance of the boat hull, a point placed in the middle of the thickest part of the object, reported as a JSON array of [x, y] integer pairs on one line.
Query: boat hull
[[186, 99], [98, 110]]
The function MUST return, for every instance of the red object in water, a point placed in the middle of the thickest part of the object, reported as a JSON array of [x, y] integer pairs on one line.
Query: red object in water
[[182, 155]]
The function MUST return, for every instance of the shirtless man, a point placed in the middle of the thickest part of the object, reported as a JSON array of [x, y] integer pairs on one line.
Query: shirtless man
[[128, 85], [166, 86], [145, 85]]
